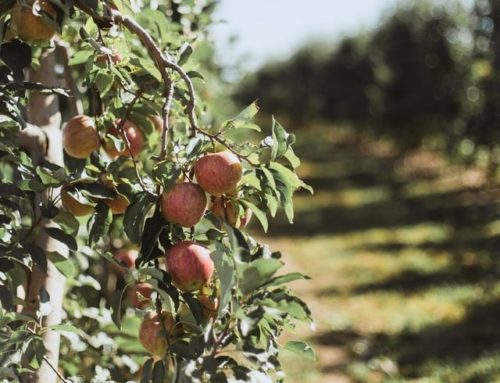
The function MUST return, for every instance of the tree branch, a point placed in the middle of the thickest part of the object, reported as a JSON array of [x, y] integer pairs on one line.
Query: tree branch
[[162, 63], [127, 142]]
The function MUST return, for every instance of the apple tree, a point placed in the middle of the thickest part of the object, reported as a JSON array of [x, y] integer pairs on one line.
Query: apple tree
[[124, 201]]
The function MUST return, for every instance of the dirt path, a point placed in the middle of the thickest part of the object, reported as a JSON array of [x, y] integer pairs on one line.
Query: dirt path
[[330, 359]]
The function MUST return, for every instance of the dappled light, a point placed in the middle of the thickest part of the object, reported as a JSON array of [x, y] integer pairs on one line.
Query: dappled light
[[403, 252]]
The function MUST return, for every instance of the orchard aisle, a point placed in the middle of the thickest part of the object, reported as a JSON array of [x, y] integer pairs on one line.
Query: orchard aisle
[[401, 251], [331, 360]]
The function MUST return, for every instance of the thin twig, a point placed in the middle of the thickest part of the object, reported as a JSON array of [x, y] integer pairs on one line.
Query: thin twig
[[219, 341], [162, 63], [59, 375], [127, 142], [169, 95]]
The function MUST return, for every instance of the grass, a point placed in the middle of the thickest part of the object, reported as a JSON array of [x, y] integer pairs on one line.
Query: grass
[[403, 251]]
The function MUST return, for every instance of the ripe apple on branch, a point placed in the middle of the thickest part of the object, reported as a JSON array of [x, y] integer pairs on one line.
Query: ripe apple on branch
[[190, 287]]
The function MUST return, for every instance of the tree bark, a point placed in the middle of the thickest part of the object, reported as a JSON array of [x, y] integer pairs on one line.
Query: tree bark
[[44, 112]]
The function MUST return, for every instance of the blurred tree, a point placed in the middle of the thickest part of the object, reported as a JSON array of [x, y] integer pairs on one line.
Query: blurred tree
[[290, 88], [347, 79], [484, 124], [408, 78], [424, 83]]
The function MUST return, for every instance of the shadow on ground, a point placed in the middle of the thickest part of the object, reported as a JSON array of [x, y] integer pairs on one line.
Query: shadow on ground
[[465, 348]]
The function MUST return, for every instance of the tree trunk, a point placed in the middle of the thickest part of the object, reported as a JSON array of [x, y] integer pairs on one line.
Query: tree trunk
[[44, 112]]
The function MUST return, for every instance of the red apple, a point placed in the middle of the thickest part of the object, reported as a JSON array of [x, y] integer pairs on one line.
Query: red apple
[[184, 204], [210, 306], [118, 205], [74, 206], [134, 137], [218, 173], [189, 265], [224, 209], [140, 295], [114, 57], [126, 257], [80, 137], [30, 25], [155, 330]]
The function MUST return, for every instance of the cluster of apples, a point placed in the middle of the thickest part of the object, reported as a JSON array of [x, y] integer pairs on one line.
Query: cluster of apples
[[81, 139], [189, 263], [184, 204], [192, 272], [217, 174]]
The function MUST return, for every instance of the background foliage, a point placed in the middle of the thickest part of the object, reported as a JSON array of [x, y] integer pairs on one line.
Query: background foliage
[[427, 71]]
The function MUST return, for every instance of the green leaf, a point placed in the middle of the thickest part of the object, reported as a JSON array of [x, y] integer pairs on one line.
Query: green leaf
[[136, 214], [259, 214], [158, 372], [96, 190], [147, 371], [194, 147], [280, 145], [99, 222], [67, 222], [149, 241], [195, 306], [249, 112], [62, 264], [250, 178], [301, 348], [244, 119], [5, 298], [194, 74], [116, 306], [145, 80], [103, 82], [287, 278], [286, 184], [51, 175], [288, 304], [37, 255], [257, 273], [266, 179], [166, 173], [272, 204], [185, 54], [150, 69], [151, 272], [66, 327], [80, 57], [61, 236], [225, 272], [292, 159]]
